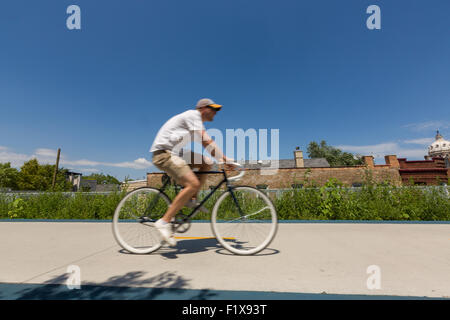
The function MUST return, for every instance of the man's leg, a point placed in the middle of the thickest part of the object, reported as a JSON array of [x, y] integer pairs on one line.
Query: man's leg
[[176, 168], [191, 186], [202, 163]]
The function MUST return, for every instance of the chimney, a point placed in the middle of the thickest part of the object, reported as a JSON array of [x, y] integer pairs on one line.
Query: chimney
[[392, 161], [298, 156], [368, 160]]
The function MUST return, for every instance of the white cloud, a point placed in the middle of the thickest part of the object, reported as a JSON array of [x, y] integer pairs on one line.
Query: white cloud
[[139, 163], [46, 152], [89, 170], [82, 162], [45, 156], [428, 125], [412, 153], [378, 151], [16, 159], [48, 156], [422, 141], [386, 148]]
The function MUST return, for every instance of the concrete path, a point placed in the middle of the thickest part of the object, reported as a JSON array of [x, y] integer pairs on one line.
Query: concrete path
[[305, 261]]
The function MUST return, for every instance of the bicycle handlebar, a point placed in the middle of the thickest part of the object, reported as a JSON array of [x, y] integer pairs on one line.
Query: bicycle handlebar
[[240, 175]]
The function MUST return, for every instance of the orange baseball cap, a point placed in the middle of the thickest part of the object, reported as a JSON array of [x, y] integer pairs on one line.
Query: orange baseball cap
[[205, 102]]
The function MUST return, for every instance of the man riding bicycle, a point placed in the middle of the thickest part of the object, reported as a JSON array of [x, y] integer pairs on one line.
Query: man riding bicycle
[[166, 149]]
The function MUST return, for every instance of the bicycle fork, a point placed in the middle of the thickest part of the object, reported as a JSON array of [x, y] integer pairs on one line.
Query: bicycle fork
[[230, 189]]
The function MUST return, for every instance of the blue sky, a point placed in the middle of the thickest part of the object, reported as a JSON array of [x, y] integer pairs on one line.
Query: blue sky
[[311, 69]]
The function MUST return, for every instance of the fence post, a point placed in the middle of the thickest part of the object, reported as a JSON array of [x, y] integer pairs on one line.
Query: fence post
[[56, 169]]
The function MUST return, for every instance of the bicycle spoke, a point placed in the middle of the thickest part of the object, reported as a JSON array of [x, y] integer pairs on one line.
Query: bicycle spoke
[[244, 222], [249, 215], [133, 222]]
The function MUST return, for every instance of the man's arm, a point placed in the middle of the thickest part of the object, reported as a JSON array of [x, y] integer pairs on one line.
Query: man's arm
[[211, 146]]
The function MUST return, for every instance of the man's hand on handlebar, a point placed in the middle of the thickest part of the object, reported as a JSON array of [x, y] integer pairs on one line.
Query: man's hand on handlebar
[[229, 163]]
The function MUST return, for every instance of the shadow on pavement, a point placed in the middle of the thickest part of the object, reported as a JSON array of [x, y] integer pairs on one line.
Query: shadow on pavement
[[265, 252], [105, 291], [167, 285], [190, 246]]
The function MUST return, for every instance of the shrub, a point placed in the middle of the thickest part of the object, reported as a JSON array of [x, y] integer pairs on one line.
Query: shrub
[[372, 202], [60, 205], [330, 202]]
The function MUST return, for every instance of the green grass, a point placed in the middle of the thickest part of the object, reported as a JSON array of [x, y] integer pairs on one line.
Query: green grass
[[60, 205], [331, 202], [369, 203]]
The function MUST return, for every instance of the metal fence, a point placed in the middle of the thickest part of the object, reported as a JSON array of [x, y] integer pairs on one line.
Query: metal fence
[[445, 188], [10, 196], [273, 192]]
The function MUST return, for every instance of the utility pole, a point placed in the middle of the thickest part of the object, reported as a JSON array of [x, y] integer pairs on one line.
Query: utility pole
[[56, 169]]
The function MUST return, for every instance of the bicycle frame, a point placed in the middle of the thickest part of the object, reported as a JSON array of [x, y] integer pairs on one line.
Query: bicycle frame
[[197, 208], [226, 215]]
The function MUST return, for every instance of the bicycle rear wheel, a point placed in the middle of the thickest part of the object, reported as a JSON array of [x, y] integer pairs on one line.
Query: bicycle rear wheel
[[244, 220], [134, 218]]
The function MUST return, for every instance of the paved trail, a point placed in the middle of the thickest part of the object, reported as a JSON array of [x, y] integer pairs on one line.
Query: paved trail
[[305, 261]]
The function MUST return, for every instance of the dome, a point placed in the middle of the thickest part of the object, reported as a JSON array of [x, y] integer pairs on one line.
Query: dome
[[440, 147]]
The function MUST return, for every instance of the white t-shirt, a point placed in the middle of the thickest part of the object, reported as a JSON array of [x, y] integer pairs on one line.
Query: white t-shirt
[[178, 131]]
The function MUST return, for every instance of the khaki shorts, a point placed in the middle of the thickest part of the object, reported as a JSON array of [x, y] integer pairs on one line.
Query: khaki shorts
[[177, 167]]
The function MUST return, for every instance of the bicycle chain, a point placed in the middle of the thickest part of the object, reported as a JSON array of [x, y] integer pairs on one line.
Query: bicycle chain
[[181, 223]]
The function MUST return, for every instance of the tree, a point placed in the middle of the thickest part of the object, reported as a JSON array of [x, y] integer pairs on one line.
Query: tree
[[334, 156], [34, 176], [102, 178], [8, 176]]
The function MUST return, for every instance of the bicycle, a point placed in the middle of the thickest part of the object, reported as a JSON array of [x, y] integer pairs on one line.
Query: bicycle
[[243, 220]]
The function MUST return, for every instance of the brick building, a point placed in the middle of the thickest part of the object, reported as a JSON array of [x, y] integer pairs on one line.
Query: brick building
[[424, 172], [131, 185], [432, 171], [299, 171]]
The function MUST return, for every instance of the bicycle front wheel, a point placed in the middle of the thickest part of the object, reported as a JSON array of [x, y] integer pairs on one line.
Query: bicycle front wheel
[[244, 220], [134, 218]]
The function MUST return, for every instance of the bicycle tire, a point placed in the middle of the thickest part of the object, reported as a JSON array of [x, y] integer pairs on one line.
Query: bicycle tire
[[133, 221], [232, 229]]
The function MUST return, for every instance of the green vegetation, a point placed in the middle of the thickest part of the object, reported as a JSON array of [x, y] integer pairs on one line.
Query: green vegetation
[[8, 176], [334, 156], [371, 202], [330, 202], [59, 205], [33, 176], [102, 178]]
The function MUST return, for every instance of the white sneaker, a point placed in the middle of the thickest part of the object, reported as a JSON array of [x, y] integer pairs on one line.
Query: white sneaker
[[166, 232], [192, 204]]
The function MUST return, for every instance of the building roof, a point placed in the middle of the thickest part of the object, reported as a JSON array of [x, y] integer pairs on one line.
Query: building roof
[[316, 163], [288, 163], [73, 173], [439, 147]]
